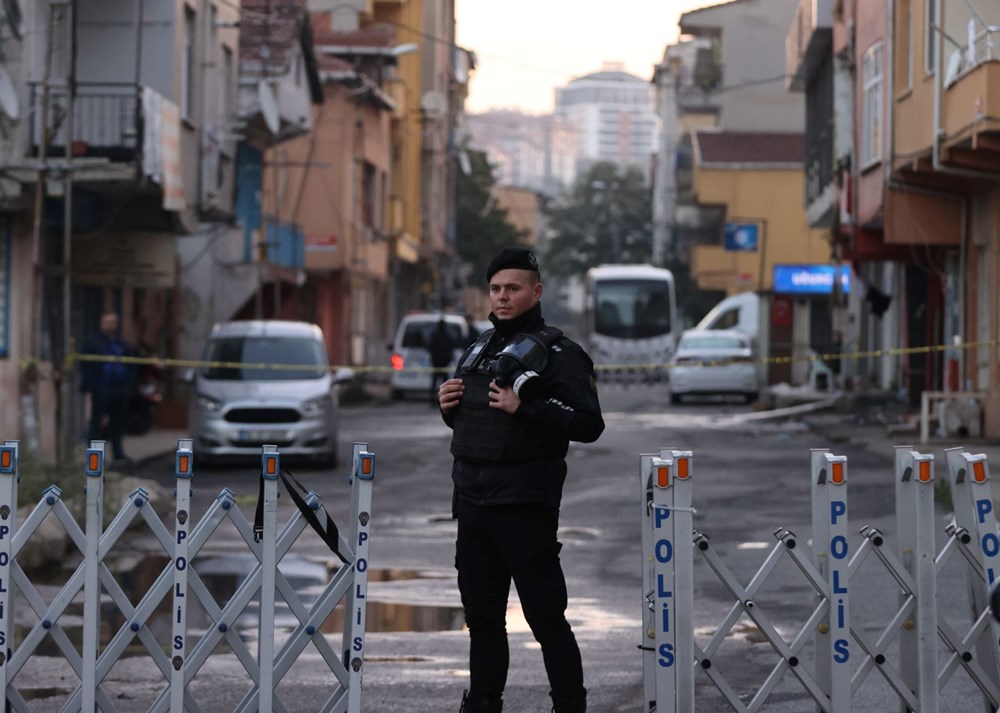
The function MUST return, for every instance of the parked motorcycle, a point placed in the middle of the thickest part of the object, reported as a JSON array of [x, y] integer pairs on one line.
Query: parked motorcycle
[[147, 393]]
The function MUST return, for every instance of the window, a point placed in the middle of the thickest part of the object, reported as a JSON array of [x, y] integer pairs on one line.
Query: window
[[369, 187], [188, 64], [871, 106], [730, 319], [930, 55]]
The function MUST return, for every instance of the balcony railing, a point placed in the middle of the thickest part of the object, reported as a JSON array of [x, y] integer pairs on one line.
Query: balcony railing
[[106, 120], [982, 45]]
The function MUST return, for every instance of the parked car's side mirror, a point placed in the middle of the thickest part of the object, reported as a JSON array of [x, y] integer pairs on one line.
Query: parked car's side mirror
[[187, 375]]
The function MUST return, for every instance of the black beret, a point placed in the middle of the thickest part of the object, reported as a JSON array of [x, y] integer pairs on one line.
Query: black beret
[[512, 257]]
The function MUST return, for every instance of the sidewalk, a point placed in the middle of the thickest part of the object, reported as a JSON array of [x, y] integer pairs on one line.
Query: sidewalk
[[152, 444]]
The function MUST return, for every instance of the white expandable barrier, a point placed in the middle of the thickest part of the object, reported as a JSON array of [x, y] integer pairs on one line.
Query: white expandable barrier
[[179, 584], [916, 651]]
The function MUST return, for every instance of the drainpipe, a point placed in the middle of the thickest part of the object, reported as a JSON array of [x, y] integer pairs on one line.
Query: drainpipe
[[890, 103]]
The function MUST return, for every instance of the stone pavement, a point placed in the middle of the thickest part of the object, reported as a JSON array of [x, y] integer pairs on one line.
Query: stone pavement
[[879, 427]]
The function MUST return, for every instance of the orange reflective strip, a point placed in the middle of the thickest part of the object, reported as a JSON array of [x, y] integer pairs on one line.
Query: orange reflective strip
[[94, 461], [838, 473], [682, 469], [925, 471], [5, 458], [663, 476], [272, 465], [183, 464], [979, 471], [366, 466]]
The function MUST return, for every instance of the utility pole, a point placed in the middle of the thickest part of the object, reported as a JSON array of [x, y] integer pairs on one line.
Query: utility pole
[[29, 386], [62, 369], [47, 274]]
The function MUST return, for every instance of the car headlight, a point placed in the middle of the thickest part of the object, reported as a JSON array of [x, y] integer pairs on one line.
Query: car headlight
[[317, 406], [207, 403]]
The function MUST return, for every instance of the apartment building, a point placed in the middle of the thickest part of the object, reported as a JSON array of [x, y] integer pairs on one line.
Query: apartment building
[[611, 114]]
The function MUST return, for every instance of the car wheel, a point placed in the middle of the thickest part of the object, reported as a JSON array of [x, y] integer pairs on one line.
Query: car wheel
[[397, 395], [750, 397], [675, 399]]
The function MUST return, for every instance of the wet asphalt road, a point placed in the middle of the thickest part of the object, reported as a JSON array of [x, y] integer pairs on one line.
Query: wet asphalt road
[[748, 480]]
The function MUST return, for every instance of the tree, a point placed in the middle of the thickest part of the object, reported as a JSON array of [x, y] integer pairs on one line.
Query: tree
[[482, 227], [608, 218]]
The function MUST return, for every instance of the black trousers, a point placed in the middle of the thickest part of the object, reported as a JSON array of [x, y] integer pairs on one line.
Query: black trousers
[[109, 400], [503, 542]]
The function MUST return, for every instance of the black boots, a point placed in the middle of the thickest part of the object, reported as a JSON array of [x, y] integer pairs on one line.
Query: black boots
[[576, 704], [480, 705]]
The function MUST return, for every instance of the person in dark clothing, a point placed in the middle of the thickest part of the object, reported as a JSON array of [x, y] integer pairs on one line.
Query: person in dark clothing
[[470, 323], [520, 394], [108, 382], [441, 349]]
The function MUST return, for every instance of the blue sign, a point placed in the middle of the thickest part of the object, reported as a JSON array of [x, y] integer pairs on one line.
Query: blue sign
[[809, 279], [741, 236]]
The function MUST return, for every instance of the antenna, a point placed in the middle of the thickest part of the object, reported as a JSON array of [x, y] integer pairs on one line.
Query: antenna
[[8, 95], [954, 66], [269, 106], [434, 104], [12, 9]]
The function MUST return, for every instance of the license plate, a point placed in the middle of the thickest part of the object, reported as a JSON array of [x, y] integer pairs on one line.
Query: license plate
[[262, 436]]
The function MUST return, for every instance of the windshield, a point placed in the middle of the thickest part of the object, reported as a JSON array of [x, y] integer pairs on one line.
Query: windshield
[[632, 309], [418, 334], [297, 351]]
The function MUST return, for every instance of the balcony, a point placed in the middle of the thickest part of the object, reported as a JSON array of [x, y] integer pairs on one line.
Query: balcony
[[118, 130], [808, 40], [970, 117]]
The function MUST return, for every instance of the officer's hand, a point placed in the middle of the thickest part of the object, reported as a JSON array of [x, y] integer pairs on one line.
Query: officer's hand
[[450, 393], [503, 398]]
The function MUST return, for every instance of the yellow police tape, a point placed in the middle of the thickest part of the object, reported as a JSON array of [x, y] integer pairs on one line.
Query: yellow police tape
[[198, 364]]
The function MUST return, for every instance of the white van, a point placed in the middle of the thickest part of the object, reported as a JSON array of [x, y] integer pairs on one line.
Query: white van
[[411, 359], [243, 401], [740, 312]]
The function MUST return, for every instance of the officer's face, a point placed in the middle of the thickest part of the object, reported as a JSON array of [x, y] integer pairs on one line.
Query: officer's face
[[513, 292]]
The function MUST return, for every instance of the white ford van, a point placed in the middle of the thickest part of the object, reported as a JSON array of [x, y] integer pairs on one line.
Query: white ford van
[[411, 359], [243, 399]]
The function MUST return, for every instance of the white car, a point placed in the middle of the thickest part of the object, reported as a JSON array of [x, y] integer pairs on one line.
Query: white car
[[716, 361]]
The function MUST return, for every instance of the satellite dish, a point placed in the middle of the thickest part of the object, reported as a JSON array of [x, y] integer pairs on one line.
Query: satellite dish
[[12, 8], [434, 104], [8, 95], [269, 106], [954, 65]]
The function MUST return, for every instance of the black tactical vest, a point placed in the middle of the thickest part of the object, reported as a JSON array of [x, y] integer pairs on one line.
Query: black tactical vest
[[482, 434]]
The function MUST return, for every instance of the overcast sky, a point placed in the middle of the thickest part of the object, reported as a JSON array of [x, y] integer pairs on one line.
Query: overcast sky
[[526, 48]]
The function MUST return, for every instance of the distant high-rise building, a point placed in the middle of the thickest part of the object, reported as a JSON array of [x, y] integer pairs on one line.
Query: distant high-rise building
[[611, 113], [516, 144]]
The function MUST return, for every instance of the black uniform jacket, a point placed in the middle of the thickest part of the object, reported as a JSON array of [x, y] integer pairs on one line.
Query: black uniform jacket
[[567, 409]]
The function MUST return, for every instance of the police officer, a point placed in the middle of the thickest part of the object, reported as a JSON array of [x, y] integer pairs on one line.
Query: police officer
[[520, 394]]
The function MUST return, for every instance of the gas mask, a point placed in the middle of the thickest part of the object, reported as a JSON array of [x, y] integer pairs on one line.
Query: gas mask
[[519, 364]]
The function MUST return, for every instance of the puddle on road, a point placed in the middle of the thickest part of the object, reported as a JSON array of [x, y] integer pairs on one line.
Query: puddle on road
[[222, 576]]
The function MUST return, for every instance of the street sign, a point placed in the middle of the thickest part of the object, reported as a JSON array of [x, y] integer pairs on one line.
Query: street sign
[[741, 236], [809, 279]]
